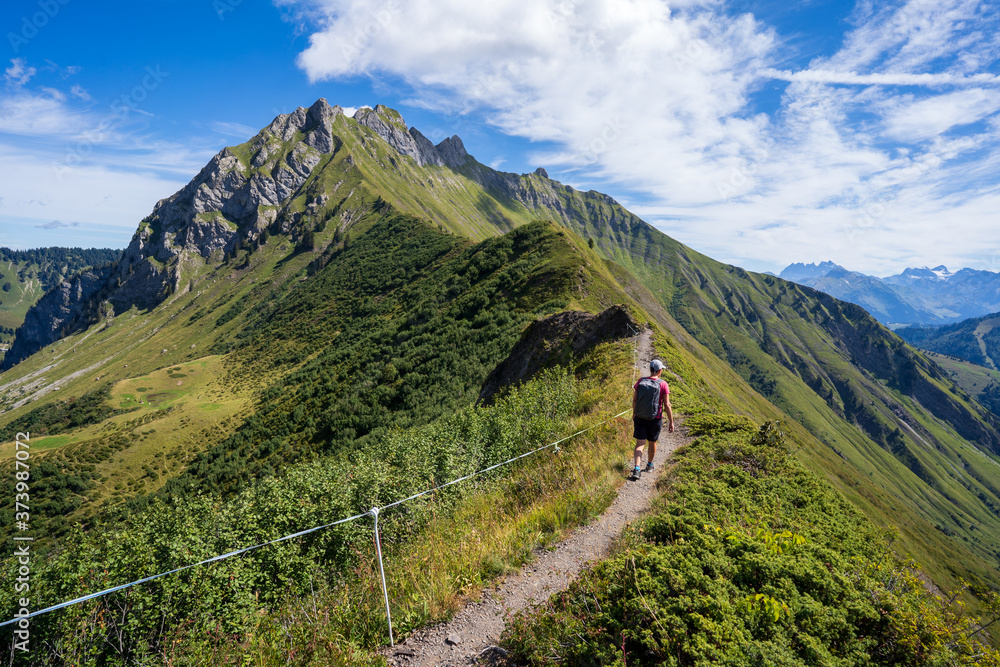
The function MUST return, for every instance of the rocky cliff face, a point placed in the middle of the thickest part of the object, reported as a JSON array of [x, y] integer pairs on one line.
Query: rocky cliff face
[[68, 306], [273, 183], [233, 198], [246, 189], [555, 340]]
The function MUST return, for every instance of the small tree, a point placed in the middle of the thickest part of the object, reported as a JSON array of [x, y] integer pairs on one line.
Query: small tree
[[308, 241]]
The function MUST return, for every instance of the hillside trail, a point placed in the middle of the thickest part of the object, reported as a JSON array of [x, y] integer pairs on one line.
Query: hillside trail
[[470, 637]]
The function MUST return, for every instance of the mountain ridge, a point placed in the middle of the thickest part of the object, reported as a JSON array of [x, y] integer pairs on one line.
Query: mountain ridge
[[269, 183], [976, 340], [245, 241]]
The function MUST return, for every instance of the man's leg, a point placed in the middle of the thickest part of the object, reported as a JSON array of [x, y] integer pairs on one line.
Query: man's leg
[[651, 452], [637, 455]]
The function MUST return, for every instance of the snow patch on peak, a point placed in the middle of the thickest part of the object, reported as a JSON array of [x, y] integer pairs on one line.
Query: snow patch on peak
[[942, 272]]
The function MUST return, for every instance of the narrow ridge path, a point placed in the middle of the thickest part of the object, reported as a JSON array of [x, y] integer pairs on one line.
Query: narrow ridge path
[[479, 625]]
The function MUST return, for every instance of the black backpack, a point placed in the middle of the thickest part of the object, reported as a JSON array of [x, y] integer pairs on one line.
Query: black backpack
[[647, 398]]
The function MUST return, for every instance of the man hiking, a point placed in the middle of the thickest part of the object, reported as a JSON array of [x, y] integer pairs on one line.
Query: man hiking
[[650, 397]]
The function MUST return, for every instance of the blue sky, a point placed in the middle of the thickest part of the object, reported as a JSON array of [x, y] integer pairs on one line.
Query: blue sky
[[866, 133]]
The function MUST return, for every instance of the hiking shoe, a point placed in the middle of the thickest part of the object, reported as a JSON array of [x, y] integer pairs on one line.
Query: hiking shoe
[[649, 467], [635, 474]]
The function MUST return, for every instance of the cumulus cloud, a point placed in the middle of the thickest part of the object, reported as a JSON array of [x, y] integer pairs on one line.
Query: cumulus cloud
[[593, 76], [857, 164], [19, 73]]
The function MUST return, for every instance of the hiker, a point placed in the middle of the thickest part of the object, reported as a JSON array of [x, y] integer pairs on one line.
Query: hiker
[[650, 397]]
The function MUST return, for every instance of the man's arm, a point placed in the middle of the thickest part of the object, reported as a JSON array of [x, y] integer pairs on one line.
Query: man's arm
[[635, 396], [665, 396], [670, 414]]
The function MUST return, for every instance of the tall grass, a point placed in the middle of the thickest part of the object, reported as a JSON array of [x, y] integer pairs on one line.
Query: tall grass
[[317, 599], [467, 542]]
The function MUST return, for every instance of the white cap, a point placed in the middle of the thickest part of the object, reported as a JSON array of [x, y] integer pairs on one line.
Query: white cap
[[655, 366]]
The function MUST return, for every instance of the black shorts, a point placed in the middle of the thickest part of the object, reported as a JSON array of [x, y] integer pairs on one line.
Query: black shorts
[[647, 429]]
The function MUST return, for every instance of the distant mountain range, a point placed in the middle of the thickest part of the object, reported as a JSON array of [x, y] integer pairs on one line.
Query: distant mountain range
[[916, 296]]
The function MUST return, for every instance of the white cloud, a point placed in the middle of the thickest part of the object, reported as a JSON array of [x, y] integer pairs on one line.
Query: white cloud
[[54, 93], [18, 74], [884, 79], [27, 113], [55, 224], [856, 165], [80, 92], [236, 130], [110, 193], [597, 77], [62, 159], [927, 118]]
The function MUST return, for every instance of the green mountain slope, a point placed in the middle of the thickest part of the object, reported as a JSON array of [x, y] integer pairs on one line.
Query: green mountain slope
[[982, 383], [976, 340], [437, 327], [298, 265], [919, 453], [747, 559]]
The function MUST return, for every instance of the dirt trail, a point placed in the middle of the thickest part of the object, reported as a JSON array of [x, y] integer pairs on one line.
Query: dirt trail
[[478, 626]]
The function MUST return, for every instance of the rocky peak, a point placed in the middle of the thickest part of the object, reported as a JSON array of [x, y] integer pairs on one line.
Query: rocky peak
[[389, 124], [303, 120], [452, 151], [242, 191]]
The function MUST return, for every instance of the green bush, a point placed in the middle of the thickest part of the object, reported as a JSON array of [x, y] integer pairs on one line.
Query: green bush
[[227, 598], [376, 348], [750, 560]]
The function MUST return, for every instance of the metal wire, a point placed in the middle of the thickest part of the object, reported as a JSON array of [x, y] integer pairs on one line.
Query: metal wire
[[372, 512], [92, 596]]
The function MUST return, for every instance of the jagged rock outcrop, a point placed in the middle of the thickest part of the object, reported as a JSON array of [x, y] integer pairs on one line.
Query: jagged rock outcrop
[[247, 189], [68, 306], [554, 340], [388, 124], [222, 205]]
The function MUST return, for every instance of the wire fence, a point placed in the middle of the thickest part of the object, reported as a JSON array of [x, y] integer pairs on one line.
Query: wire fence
[[373, 512]]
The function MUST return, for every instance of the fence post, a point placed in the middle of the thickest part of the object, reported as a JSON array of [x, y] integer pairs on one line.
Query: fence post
[[381, 570], [635, 352]]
